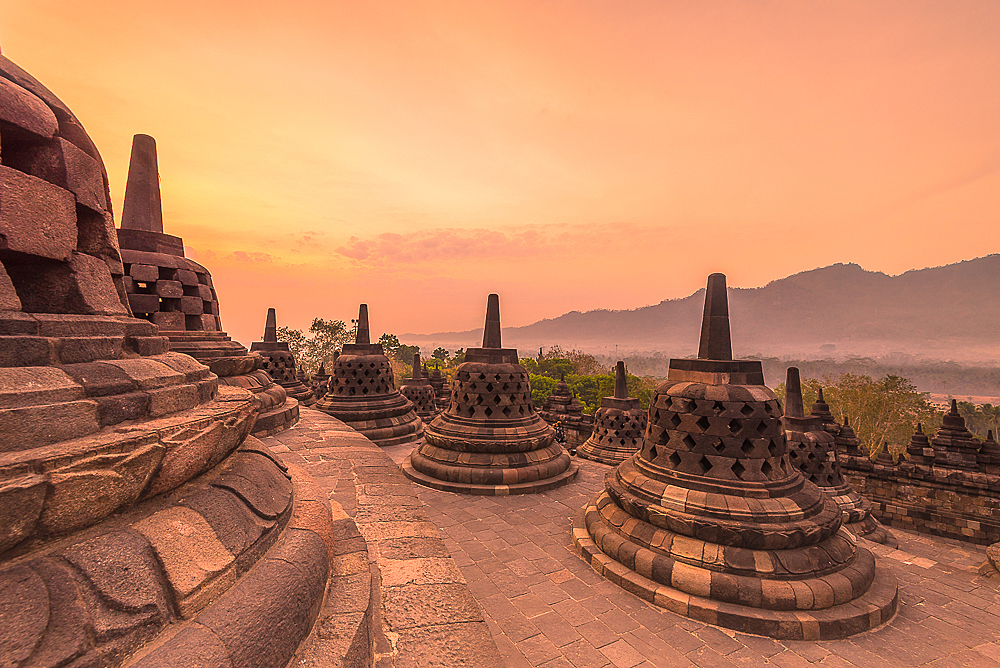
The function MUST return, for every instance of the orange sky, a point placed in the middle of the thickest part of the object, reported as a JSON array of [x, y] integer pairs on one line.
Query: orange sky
[[566, 154]]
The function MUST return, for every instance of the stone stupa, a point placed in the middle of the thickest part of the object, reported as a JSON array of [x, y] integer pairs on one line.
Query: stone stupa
[[112, 541], [177, 294], [813, 449], [953, 443], [712, 521], [619, 425], [320, 381], [279, 362], [417, 388], [490, 441], [362, 392]]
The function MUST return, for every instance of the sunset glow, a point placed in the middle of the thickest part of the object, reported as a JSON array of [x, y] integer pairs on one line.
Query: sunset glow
[[567, 155]]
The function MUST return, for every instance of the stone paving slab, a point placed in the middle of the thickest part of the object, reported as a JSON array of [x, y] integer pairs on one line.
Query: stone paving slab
[[547, 607], [422, 613]]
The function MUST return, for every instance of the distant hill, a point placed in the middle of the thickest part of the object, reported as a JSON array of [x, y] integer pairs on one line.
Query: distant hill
[[949, 312]]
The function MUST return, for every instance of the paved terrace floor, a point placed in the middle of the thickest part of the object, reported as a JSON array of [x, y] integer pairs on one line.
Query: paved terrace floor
[[546, 607]]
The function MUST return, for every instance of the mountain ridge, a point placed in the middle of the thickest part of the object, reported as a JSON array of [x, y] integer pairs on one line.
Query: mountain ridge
[[947, 312]]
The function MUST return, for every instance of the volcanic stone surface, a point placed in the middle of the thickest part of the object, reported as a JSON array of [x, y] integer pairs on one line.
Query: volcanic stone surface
[[619, 426], [362, 392], [178, 296], [135, 510], [279, 362], [813, 449], [713, 521], [490, 440]]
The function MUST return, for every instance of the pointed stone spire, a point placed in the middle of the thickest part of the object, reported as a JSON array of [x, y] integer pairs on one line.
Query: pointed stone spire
[[142, 210], [362, 338], [271, 327], [491, 334], [793, 393], [620, 391], [416, 367], [716, 343]]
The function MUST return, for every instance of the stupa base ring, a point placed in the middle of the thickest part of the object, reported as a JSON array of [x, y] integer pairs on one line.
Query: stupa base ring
[[875, 607], [871, 529], [530, 487], [603, 455]]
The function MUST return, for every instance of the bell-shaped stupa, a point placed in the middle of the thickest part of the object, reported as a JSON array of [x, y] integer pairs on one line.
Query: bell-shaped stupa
[[919, 450], [619, 425], [821, 409], [562, 404], [362, 392], [812, 448], [490, 440], [137, 517], [320, 381], [279, 362], [177, 294], [847, 440], [711, 520], [953, 443], [417, 388]]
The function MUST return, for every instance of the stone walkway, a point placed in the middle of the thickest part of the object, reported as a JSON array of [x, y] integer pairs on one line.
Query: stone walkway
[[546, 607]]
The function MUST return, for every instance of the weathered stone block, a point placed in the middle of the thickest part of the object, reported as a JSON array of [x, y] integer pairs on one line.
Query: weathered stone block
[[34, 386], [63, 164], [33, 426], [144, 273], [144, 304], [36, 217], [20, 505], [192, 305], [26, 351], [171, 289], [186, 277], [19, 107], [83, 285], [169, 322]]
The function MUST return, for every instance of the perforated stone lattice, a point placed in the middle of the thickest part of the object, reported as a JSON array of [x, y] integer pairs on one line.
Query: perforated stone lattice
[[815, 456], [280, 366], [484, 395], [362, 376], [189, 294], [423, 397], [730, 440], [614, 426]]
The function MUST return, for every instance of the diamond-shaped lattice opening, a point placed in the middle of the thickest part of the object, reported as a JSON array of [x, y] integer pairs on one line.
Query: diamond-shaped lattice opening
[[738, 469], [735, 426], [766, 468], [496, 399], [704, 465], [772, 447], [489, 387], [720, 446], [811, 456], [762, 427], [703, 423], [488, 411], [747, 446], [674, 420], [482, 376], [747, 410], [506, 411], [688, 442], [675, 459]]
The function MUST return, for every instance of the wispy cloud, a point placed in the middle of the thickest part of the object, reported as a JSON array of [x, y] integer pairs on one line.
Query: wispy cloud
[[469, 244]]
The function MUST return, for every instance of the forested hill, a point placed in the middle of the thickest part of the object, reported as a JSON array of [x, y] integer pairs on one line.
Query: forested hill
[[949, 312]]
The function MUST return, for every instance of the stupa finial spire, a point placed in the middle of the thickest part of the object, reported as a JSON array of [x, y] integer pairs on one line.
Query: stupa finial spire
[[416, 367], [491, 334], [620, 390], [793, 393], [716, 343], [142, 209], [271, 327], [362, 338]]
